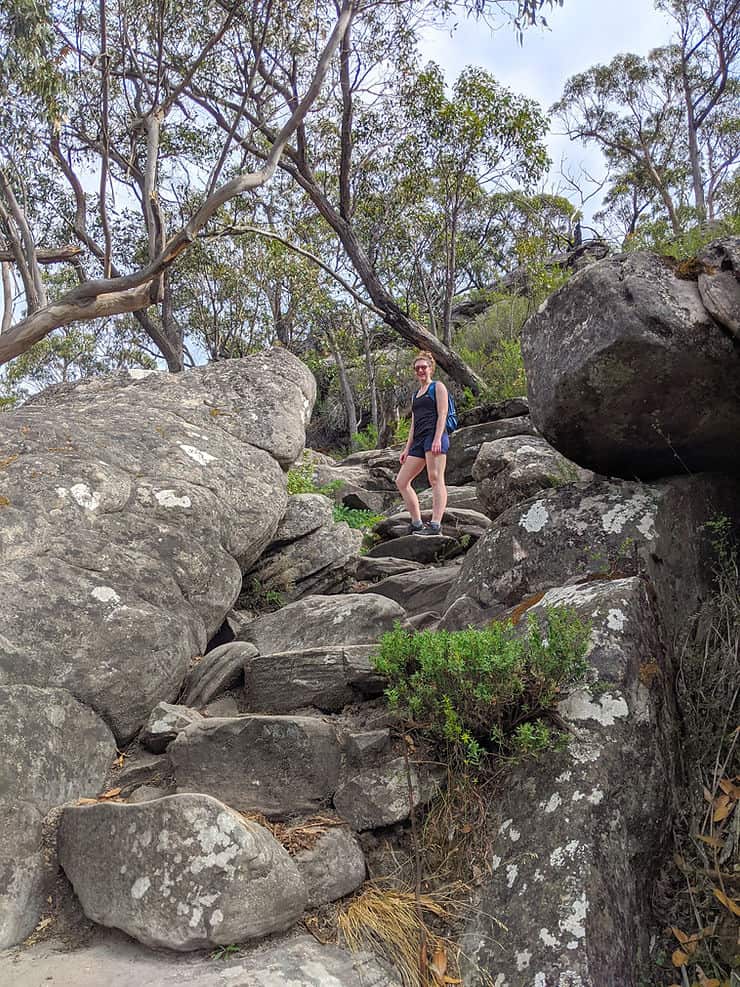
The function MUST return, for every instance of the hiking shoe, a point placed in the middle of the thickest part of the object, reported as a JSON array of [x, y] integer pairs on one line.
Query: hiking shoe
[[415, 528], [432, 528]]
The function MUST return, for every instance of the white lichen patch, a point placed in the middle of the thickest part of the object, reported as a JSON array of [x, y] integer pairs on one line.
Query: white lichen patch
[[495, 862], [137, 373], [565, 776], [540, 980], [596, 797], [552, 803], [511, 875], [197, 455], [84, 496], [216, 918], [574, 922], [504, 826], [168, 498], [615, 619], [517, 552], [535, 519], [523, 960], [105, 594], [140, 887], [549, 939], [514, 834], [639, 510], [500, 981], [606, 710], [538, 877]]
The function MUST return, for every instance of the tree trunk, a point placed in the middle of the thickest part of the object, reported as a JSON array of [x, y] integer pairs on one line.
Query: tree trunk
[[694, 155], [348, 398]]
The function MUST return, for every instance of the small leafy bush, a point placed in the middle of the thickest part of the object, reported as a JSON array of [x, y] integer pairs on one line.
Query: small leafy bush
[[356, 518], [366, 439], [485, 691], [300, 478]]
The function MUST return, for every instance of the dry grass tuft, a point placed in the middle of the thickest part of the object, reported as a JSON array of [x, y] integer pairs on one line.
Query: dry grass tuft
[[393, 923]]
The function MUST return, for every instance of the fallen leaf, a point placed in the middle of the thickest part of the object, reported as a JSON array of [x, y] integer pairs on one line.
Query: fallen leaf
[[723, 809], [110, 794], [679, 958], [712, 841], [729, 788], [438, 966], [681, 936], [730, 903]]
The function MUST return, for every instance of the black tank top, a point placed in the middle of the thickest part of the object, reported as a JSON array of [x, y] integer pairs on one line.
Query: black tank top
[[425, 414]]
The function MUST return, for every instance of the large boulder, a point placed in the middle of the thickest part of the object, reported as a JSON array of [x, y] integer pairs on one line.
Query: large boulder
[[718, 282], [326, 678], [333, 867], [599, 530], [466, 442], [54, 748], [574, 849], [119, 961], [353, 618], [128, 508], [275, 765], [22, 871], [183, 872], [310, 554], [630, 375], [419, 592], [513, 469]]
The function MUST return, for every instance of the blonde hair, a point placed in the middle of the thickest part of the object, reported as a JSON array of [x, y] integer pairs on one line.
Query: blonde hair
[[427, 356]]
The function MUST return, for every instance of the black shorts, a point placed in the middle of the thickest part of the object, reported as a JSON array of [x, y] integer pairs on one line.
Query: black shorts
[[423, 445]]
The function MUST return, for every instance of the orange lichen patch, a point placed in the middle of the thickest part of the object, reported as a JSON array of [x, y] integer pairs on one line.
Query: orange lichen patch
[[4, 502], [518, 612], [649, 672]]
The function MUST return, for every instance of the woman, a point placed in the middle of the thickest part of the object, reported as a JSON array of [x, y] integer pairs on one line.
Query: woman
[[427, 446]]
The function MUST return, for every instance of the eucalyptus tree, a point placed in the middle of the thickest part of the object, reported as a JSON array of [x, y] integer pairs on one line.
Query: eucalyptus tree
[[117, 107], [667, 123], [147, 120]]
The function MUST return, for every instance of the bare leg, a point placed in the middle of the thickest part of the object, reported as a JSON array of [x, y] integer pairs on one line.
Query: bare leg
[[410, 469], [436, 472]]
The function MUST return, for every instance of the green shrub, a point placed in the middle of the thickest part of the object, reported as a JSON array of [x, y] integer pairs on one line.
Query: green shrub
[[300, 478], [356, 518], [366, 439], [401, 431], [485, 691]]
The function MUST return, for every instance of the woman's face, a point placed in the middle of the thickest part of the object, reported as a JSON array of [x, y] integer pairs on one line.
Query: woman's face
[[423, 371]]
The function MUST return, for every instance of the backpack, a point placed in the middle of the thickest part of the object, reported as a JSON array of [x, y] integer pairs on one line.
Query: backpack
[[451, 423]]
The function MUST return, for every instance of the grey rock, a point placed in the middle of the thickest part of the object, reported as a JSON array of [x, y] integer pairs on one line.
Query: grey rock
[[332, 868], [353, 618], [419, 592], [217, 671], [482, 413], [457, 522], [165, 722], [22, 872], [643, 384], [719, 282], [366, 746], [147, 793], [118, 961], [465, 498], [183, 872], [304, 514], [131, 506], [271, 764], [223, 706], [54, 748], [511, 470], [142, 768], [466, 442], [596, 530], [322, 560], [575, 850], [379, 796], [320, 677], [429, 620], [418, 548], [378, 568]]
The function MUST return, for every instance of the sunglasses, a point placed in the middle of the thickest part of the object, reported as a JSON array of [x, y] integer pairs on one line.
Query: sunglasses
[[420, 370]]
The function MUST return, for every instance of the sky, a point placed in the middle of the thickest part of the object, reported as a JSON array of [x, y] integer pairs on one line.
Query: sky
[[581, 33]]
